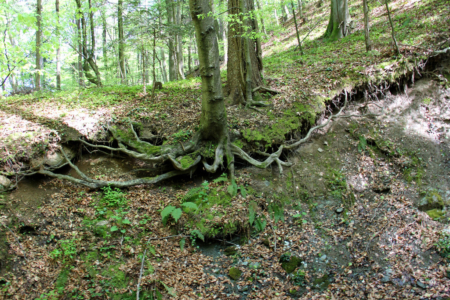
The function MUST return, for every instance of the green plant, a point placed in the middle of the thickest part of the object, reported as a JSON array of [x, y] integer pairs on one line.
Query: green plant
[[67, 251], [362, 143], [113, 197], [175, 212], [298, 278], [443, 245]]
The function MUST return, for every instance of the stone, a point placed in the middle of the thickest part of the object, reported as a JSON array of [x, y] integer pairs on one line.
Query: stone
[[234, 273], [232, 250], [292, 264], [321, 283], [339, 210], [5, 183], [53, 160], [432, 201], [320, 150], [421, 285], [323, 258], [255, 265]]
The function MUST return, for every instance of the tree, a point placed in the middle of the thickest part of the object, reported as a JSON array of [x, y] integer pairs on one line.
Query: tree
[[58, 50], [37, 78], [338, 25], [122, 69], [366, 26], [244, 66]]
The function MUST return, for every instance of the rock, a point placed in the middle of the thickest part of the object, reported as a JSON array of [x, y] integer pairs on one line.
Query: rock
[[320, 150], [232, 250], [245, 263], [339, 210], [53, 160], [266, 242], [321, 283], [292, 264], [325, 143], [432, 201], [5, 183], [323, 258], [421, 285], [234, 273], [435, 214]]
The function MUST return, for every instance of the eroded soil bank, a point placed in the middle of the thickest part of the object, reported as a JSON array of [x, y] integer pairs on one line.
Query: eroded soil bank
[[358, 216]]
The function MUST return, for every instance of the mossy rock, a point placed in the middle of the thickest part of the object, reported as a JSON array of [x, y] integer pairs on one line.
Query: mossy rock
[[234, 273], [232, 250], [266, 242], [432, 201], [321, 283], [435, 214], [292, 264]]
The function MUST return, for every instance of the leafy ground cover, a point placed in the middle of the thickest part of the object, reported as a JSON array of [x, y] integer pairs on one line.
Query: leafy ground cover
[[346, 214]]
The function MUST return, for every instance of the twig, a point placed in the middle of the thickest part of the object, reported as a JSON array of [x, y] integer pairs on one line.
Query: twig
[[266, 89]]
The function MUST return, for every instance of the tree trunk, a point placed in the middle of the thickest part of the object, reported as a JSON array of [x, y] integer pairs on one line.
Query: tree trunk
[[179, 41], [213, 121], [284, 13], [338, 24], [172, 49], [163, 65], [262, 19], [37, 78], [296, 29], [104, 47], [80, 53], [123, 73], [240, 63], [394, 40], [189, 58], [366, 26], [58, 50]]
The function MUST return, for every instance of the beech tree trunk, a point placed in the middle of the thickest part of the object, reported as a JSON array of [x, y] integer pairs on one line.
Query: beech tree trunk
[[58, 50], [213, 120], [240, 63], [123, 72], [37, 77], [172, 47], [104, 47], [80, 53], [366, 26], [179, 41], [338, 25]]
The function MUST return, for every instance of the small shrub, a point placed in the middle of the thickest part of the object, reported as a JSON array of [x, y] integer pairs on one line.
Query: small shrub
[[443, 245], [113, 197]]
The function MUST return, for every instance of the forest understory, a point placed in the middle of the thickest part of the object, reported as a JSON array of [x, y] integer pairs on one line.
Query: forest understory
[[361, 212]]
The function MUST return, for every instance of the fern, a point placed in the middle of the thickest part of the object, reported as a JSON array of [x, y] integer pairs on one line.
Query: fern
[[192, 195], [190, 205]]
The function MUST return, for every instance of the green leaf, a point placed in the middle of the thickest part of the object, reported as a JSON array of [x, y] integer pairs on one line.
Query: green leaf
[[166, 212], [169, 290], [182, 243], [243, 191], [221, 178], [152, 250], [126, 221], [114, 228], [176, 214], [198, 234], [252, 215], [190, 205], [232, 188]]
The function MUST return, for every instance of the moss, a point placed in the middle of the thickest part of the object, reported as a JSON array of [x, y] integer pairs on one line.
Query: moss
[[186, 161], [127, 137], [435, 214], [62, 279], [234, 273], [117, 278], [292, 264], [321, 283], [232, 250]]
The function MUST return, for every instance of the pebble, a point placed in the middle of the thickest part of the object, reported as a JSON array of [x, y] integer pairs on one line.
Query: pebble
[[323, 257], [325, 143], [320, 150], [421, 285], [339, 210]]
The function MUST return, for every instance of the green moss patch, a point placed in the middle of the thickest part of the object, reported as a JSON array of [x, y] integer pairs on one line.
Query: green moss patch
[[234, 273]]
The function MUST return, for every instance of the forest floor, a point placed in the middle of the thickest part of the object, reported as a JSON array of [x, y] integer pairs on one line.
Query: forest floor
[[358, 216]]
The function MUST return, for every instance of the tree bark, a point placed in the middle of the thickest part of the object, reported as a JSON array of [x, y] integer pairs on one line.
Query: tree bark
[[58, 50], [163, 65], [213, 120], [180, 61], [37, 78], [172, 49], [262, 20], [394, 40], [123, 72], [80, 52], [104, 46], [296, 29], [366, 26], [239, 62], [338, 24]]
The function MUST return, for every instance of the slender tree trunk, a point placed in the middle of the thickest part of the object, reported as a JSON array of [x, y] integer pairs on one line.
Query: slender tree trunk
[[189, 58], [163, 65], [213, 121], [58, 50], [276, 16], [80, 52], [104, 46], [284, 12], [397, 51], [144, 81], [123, 72], [366, 26], [172, 49], [300, 9], [262, 19], [239, 65], [296, 29], [37, 80], [179, 42], [154, 63], [338, 24]]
